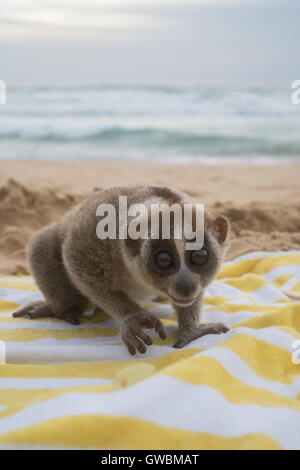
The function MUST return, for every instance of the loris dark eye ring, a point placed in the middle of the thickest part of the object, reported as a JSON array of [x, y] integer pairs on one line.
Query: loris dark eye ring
[[163, 260], [199, 257]]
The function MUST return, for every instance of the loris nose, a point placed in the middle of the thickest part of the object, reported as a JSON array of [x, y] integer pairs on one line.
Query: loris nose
[[184, 286]]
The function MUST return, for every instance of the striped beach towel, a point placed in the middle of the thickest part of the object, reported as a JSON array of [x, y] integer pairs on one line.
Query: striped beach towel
[[64, 386]]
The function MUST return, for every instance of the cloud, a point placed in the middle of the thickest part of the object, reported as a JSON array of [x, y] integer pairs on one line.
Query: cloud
[[70, 14], [152, 40]]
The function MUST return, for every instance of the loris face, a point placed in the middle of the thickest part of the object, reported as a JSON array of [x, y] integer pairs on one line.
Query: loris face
[[179, 274]]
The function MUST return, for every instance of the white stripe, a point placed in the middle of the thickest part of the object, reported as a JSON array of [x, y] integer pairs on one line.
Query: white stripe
[[220, 289], [19, 296], [294, 280], [20, 446], [241, 371], [29, 354], [279, 271], [271, 335], [161, 311], [52, 325], [265, 294], [28, 280], [171, 403], [241, 300], [54, 342], [99, 347]]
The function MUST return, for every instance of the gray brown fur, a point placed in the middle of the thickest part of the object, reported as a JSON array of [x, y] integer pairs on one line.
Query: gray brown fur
[[73, 268]]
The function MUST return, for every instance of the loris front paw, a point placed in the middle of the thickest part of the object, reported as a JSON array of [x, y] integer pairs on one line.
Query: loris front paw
[[206, 329], [133, 334]]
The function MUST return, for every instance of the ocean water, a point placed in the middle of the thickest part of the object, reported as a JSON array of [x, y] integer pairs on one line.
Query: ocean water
[[150, 123]]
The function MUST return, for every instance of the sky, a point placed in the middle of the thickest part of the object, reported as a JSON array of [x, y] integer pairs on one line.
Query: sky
[[211, 42]]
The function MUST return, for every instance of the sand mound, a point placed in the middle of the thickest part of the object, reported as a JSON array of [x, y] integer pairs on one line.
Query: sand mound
[[23, 211], [261, 226], [262, 217]]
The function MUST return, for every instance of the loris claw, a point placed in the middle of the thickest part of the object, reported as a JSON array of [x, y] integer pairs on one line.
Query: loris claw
[[205, 329]]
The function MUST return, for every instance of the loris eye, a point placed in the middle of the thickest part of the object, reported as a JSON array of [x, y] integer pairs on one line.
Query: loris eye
[[163, 260], [199, 257]]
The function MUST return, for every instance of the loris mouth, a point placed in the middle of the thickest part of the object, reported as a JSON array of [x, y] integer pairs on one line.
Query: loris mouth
[[182, 302]]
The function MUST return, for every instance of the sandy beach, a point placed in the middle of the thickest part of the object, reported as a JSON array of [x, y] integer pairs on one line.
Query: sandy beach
[[262, 202]]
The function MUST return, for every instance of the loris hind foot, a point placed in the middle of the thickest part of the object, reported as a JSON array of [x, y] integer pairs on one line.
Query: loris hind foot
[[39, 309]]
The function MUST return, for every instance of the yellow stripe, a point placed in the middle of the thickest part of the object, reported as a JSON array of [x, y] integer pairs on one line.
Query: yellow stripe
[[13, 397], [281, 280], [255, 308], [21, 399], [17, 277], [208, 371], [31, 334], [289, 330], [95, 331], [247, 283], [18, 285], [265, 359], [296, 287], [288, 315], [107, 432], [238, 268], [258, 265], [6, 307]]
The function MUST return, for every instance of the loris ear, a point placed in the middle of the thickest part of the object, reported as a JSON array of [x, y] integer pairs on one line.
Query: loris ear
[[220, 228]]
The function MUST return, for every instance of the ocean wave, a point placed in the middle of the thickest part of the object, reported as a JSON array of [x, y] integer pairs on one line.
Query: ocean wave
[[163, 141], [145, 121], [147, 100]]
